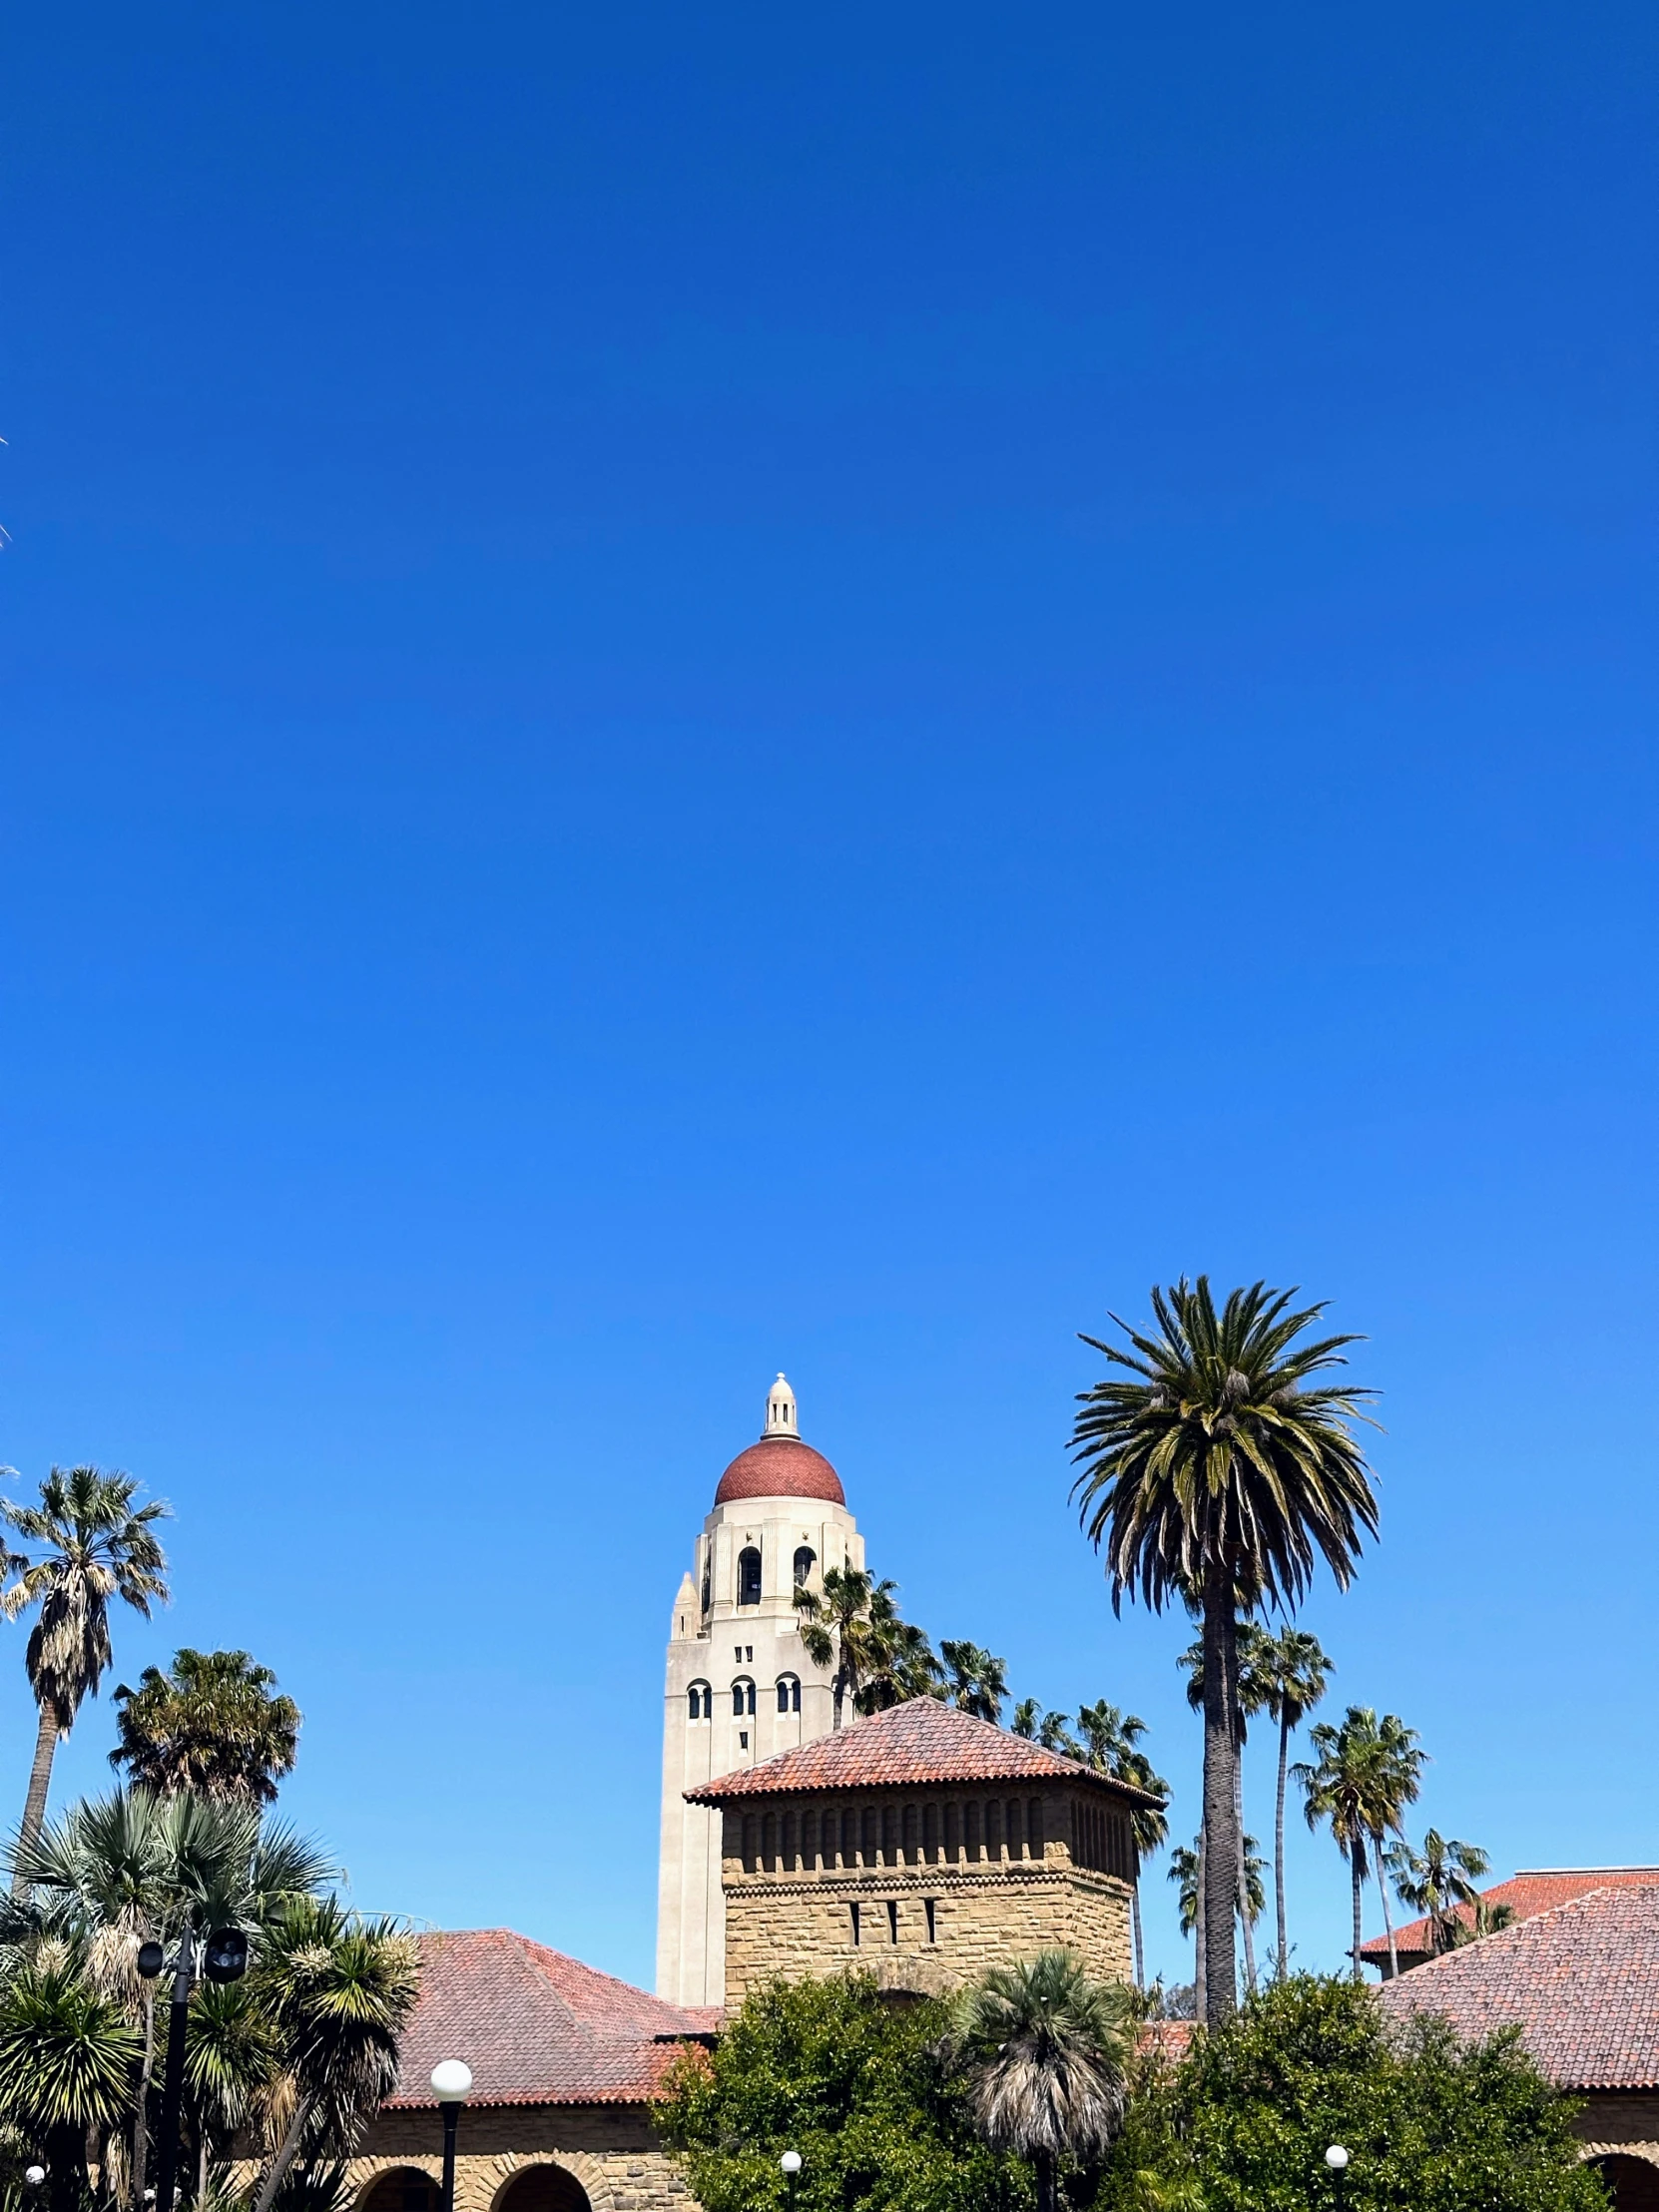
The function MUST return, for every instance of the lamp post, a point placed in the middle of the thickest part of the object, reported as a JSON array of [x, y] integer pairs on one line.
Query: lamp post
[[1335, 2158], [451, 2080], [224, 1959], [790, 2167]]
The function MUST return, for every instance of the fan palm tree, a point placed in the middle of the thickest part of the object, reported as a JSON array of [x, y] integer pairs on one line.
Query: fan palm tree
[[1044, 2049], [1294, 1673], [1184, 1871], [67, 2057], [1364, 1775], [978, 1680], [1439, 1882], [1400, 1762], [339, 1991], [97, 1546], [900, 1662], [1249, 1695], [1029, 1717], [1220, 1470], [211, 1723]]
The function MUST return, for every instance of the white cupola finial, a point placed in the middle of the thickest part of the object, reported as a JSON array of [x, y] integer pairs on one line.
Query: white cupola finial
[[781, 1414]]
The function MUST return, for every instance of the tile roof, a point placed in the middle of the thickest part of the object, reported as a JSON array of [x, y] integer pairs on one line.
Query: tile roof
[[1526, 1893], [1580, 1980], [535, 2026], [909, 1745]]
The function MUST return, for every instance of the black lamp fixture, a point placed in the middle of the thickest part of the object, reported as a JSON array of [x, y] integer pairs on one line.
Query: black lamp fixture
[[224, 1959]]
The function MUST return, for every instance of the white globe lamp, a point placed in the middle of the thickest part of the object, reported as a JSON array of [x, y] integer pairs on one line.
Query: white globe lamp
[[1337, 2157], [451, 2080]]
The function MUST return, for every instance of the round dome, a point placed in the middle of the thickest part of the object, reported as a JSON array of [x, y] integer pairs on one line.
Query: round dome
[[780, 1466]]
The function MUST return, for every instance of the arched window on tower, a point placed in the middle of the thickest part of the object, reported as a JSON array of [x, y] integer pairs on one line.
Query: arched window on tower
[[743, 1699], [788, 1693], [805, 1559], [749, 1576], [699, 1702]]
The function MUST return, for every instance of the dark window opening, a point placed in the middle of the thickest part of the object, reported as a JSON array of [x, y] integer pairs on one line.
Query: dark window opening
[[701, 1700], [749, 1576], [892, 1919], [788, 1693], [931, 1906], [857, 1933], [743, 1699], [805, 1559]]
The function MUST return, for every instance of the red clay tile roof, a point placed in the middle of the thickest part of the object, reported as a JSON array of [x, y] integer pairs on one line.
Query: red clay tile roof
[[780, 1466], [1580, 1980], [908, 1745], [535, 2026], [1525, 1895]]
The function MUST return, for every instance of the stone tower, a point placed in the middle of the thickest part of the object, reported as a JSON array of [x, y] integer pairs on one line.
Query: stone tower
[[739, 1685]]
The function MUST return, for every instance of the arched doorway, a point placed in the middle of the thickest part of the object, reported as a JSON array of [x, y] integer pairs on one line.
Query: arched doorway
[[1632, 2183], [543, 2189], [402, 2189]]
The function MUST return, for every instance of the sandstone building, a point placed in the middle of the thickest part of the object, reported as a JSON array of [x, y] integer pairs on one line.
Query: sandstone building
[[922, 1846], [740, 1686]]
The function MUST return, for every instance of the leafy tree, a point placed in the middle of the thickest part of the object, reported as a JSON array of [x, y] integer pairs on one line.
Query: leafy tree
[[1293, 1672], [977, 1681], [1242, 2124], [211, 1724], [1365, 1774], [1045, 2051], [97, 1546], [1219, 1473], [1438, 1882], [851, 2081]]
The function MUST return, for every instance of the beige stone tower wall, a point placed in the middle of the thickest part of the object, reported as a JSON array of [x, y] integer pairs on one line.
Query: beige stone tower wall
[[727, 1649]]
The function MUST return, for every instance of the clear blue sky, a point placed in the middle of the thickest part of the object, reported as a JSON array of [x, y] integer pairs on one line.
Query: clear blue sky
[[698, 692]]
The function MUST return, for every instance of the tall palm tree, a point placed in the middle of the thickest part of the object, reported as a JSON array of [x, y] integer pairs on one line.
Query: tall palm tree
[[97, 1546], [1293, 1672], [211, 1723], [1400, 1762], [1248, 1697], [1219, 1474], [900, 1660], [838, 1629], [1028, 1718], [1362, 1776], [1045, 2051], [1111, 1744], [1186, 1872], [1439, 1882], [978, 1680]]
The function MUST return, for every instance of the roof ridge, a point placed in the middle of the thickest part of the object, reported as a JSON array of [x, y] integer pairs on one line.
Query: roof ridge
[[1530, 1929]]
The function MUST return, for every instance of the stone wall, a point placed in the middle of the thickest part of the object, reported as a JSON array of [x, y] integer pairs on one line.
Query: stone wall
[[1619, 2121], [923, 1929], [612, 2150]]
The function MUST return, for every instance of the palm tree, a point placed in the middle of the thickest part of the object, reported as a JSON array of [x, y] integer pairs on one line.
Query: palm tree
[[211, 1723], [67, 2057], [1028, 1716], [341, 1991], [131, 1867], [899, 1658], [1045, 2050], [1439, 1882], [233, 2067], [1110, 1740], [838, 1631], [1249, 1695], [1184, 1871], [1365, 1775], [1219, 1474], [978, 1681], [1294, 1673], [1400, 1764], [97, 1546]]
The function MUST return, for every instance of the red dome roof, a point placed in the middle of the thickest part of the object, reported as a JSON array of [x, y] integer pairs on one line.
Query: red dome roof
[[780, 1466]]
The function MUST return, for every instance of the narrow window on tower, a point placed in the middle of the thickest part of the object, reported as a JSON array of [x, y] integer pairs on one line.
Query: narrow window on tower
[[892, 1919], [930, 1906], [749, 1575], [788, 1693], [853, 1908], [805, 1559]]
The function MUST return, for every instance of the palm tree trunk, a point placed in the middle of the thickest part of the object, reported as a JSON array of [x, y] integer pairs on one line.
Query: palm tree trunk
[[40, 1781], [837, 1689], [202, 2170], [1219, 1899], [1388, 1916], [1044, 2163], [141, 2116], [1357, 1862], [285, 2157], [1198, 1937], [1283, 1967], [1135, 1921], [1244, 1884]]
